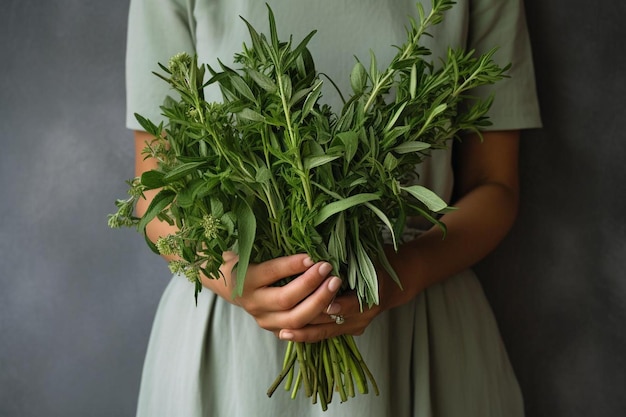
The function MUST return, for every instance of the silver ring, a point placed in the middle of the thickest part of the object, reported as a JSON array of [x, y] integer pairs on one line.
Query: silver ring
[[339, 319]]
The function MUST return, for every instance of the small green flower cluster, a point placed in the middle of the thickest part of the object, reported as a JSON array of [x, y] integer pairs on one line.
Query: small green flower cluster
[[179, 63], [168, 245], [124, 216], [191, 272], [211, 226]]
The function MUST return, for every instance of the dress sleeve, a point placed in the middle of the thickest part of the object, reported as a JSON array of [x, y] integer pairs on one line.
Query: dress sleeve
[[502, 23], [157, 30]]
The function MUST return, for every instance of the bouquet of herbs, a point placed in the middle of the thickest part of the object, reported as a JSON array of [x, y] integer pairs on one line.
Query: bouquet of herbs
[[271, 171]]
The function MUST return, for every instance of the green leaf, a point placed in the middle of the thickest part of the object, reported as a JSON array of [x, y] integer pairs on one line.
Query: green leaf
[[373, 67], [426, 196], [286, 86], [148, 126], [242, 88], [342, 205], [182, 171], [367, 273], [350, 142], [316, 161], [187, 196], [251, 115], [383, 217], [395, 117], [337, 242], [358, 78], [312, 99], [246, 225], [411, 147], [352, 270], [390, 162], [217, 208], [263, 175], [160, 201], [413, 82], [298, 50], [384, 261], [262, 80], [152, 179], [273, 30]]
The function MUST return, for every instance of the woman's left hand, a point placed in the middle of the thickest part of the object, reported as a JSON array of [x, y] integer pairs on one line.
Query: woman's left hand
[[344, 315]]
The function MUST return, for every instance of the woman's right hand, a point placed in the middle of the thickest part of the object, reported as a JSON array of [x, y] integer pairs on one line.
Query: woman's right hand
[[302, 301]]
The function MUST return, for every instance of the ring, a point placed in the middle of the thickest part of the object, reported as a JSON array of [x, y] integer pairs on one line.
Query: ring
[[338, 318]]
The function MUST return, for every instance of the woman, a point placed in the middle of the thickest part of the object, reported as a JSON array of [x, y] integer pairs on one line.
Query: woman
[[434, 347]]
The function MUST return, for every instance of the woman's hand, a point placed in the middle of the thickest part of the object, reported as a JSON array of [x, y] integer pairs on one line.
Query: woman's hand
[[294, 305], [347, 307]]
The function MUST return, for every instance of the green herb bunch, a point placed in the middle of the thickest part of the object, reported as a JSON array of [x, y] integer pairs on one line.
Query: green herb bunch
[[270, 171]]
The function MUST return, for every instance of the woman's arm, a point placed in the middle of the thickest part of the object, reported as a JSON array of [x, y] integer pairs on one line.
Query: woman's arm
[[487, 190], [294, 305]]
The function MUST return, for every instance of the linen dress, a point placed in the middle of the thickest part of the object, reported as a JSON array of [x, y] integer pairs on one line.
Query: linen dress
[[441, 354]]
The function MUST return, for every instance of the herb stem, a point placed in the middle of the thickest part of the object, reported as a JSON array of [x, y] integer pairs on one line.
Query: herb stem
[[295, 146], [406, 52]]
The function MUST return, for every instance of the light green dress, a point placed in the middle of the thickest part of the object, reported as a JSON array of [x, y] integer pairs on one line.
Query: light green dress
[[441, 354]]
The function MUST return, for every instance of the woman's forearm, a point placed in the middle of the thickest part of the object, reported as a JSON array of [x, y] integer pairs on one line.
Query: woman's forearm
[[487, 187], [483, 218]]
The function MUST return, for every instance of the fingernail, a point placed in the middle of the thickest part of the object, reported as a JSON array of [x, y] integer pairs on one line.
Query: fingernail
[[334, 284], [325, 268], [285, 335], [333, 308], [308, 262]]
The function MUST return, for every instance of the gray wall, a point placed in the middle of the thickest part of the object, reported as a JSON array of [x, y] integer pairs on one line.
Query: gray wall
[[77, 300]]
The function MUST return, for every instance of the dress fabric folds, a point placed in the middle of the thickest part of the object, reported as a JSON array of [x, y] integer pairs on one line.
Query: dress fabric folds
[[440, 355]]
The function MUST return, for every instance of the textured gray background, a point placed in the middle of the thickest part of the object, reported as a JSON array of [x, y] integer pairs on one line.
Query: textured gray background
[[77, 300]]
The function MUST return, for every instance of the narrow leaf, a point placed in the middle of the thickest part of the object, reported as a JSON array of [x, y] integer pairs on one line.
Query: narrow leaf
[[395, 117], [342, 205], [249, 114], [350, 141], [242, 88], [358, 78], [182, 170], [246, 225], [426, 196], [148, 126], [367, 274], [311, 99], [158, 204], [262, 80], [411, 147], [152, 179], [383, 217], [413, 82], [316, 161], [298, 50]]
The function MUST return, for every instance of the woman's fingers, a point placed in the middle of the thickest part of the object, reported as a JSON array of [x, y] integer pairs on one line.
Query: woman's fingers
[[342, 316], [295, 304], [312, 305], [353, 325], [269, 272], [298, 303], [305, 285]]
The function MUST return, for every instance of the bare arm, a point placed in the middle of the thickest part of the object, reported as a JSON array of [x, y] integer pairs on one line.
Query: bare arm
[[488, 192]]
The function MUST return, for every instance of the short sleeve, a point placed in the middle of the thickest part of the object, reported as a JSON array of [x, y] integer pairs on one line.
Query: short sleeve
[[157, 30], [502, 23]]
